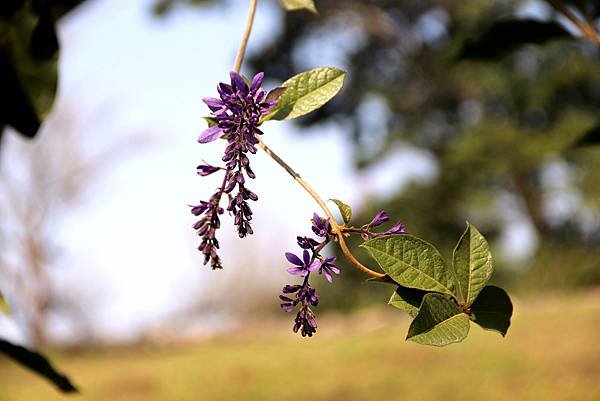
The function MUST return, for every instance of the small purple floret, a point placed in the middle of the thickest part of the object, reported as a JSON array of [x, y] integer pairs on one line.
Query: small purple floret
[[327, 268], [380, 218], [206, 169], [398, 228], [301, 266], [321, 226]]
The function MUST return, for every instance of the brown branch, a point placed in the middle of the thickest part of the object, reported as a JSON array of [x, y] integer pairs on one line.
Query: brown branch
[[585, 27]]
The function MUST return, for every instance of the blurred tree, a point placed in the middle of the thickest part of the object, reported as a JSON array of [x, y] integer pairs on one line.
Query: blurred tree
[[38, 183], [500, 93]]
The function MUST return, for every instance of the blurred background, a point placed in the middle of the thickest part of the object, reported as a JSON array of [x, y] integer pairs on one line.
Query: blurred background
[[486, 111]]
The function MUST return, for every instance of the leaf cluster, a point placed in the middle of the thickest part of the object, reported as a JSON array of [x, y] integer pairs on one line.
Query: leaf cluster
[[443, 300]]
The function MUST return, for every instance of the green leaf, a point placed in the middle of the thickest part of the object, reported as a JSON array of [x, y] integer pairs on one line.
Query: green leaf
[[492, 309], [210, 121], [38, 363], [472, 263], [28, 70], [292, 5], [407, 299], [306, 92], [439, 322], [411, 262], [4, 305], [345, 210]]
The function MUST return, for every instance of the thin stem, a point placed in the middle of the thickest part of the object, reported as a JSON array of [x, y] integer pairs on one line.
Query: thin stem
[[336, 229], [239, 57], [584, 27]]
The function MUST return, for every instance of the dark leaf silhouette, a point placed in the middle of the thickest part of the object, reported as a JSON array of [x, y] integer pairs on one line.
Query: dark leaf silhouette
[[44, 42], [38, 364], [16, 109], [591, 137], [505, 36]]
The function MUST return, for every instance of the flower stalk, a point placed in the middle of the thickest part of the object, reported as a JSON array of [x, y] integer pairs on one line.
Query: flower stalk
[[335, 227], [239, 57], [337, 230]]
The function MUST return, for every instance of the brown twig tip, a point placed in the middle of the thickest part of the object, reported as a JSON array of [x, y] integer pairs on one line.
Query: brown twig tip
[[586, 28]]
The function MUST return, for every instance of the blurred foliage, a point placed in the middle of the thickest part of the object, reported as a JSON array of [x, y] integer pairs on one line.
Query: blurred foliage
[[28, 81], [29, 61], [162, 7], [496, 95]]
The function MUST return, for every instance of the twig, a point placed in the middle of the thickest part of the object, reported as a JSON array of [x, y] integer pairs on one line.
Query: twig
[[239, 57], [586, 29], [336, 229]]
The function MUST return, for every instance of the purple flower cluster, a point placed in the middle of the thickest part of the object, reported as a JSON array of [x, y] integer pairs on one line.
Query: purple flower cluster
[[303, 295], [237, 113]]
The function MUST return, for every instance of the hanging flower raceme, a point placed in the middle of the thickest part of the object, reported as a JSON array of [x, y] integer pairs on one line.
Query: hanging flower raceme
[[237, 114], [303, 295]]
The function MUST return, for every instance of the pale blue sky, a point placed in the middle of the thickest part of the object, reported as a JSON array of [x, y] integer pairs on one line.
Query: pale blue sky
[[128, 248]]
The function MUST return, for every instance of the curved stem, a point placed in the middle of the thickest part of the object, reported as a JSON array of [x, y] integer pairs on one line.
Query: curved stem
[[239, 57], [336, 229]]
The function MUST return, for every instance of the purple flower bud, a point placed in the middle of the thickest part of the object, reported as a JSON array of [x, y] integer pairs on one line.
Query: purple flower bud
[[306, 242], [380, 218], [206, 169], [290, 289], [288, 304], [305, 322], [308, 296], [321, 226], [398, 228]]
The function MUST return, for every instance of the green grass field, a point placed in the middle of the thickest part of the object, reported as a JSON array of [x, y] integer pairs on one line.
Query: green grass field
[[552, 352]]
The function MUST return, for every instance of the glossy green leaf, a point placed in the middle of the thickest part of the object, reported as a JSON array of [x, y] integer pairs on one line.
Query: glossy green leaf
[[439, 322], [407, 299], [292, 5], [472, 263], [411, 262], [345, 210], [492, 309], [38, 363], [306, 92], [4, 305]]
